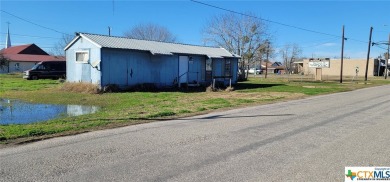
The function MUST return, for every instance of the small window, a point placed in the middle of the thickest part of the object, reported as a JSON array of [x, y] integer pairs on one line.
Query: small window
[[82, 56], [17, 66], [228, 68], [209, 64], [41, 67]]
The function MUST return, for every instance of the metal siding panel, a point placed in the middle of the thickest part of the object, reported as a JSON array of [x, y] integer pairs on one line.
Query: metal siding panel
[[118, 69], [183, 69], [70, 66], [131, 70], [169, 69], [105, 68], [217, 67], [76, 72], [124, 67], [195, 69], [203, 69], [85, 73], [95, 73], [142, 67], [156, 67], [234, 67]]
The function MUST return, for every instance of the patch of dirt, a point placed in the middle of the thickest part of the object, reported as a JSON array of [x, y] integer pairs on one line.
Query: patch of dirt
[[238, 95]]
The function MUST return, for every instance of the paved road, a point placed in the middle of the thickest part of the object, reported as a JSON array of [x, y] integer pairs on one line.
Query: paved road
[[304, 140]]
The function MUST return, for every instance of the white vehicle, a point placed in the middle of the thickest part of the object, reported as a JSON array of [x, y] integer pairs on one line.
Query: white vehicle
[[252, 71]]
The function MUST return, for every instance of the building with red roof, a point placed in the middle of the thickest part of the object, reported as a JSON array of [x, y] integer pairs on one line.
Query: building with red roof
[[24, 57]]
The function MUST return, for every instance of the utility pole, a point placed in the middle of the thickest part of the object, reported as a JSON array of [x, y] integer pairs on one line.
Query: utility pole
[[388, 57], [109, 31], [368, 54], [342, 57], [266, 62]]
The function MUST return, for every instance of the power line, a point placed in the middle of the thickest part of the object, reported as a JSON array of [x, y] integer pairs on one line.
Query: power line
[[361, 41], [271, 21], [33, 36], [34, 23], [275, 22], [379, 46]]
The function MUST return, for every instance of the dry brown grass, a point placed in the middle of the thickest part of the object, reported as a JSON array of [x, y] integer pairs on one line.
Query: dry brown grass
[[229, 89], [211, 89], [81, 88]]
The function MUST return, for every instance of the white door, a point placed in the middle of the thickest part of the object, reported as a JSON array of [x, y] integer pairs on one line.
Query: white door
[[183, 69]]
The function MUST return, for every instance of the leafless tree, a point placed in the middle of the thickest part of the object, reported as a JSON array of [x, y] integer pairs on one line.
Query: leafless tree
[[290, 52], [151, 32], [239, 34], [58, 49], [264, 50], [386, 56], [4, 62]]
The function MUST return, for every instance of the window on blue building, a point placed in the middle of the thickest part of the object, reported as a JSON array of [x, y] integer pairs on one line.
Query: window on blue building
[[82, 56], [228, 67]]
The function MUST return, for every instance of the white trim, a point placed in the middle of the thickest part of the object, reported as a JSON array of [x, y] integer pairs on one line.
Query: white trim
[[77, 38], [71, 43], [93, 42], [82, 51]]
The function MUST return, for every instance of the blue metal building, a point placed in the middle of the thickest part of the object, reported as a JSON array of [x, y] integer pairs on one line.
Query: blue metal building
[[104, 60]]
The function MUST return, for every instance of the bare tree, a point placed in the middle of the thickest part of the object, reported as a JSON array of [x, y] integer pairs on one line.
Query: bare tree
[[386, 56], [241, 35], [151, 32], [58, 49], [290, 52], [264, 50], [4, 62]]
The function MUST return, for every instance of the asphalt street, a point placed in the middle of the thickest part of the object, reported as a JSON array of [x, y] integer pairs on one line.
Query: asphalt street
[[311, 139]]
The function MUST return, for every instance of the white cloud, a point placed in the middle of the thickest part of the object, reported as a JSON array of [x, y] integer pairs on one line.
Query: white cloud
[[329, 44]]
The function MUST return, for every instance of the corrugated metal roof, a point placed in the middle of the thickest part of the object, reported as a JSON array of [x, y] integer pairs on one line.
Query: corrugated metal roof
[[156, 47]]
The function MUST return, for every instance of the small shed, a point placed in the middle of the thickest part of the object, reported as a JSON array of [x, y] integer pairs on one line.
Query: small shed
[[105, 60]]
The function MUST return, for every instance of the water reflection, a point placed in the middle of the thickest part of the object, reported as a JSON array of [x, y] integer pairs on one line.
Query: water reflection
[[19, 112], [77, 110]]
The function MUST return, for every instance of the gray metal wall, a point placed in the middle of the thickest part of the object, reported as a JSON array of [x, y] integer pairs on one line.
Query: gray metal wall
[[126, 68], [219, 69]]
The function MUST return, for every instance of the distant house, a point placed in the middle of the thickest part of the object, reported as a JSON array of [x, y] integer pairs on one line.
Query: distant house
[[276, 64], [105, 60], [24, 57], [278, 68]]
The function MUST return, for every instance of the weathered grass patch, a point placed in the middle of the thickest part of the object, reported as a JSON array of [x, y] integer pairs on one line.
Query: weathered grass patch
[[184, 111], [86, 88], [162, 114]]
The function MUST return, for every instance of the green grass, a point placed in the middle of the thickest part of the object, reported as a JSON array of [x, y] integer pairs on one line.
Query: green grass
[[15, 82], [120, 109]]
